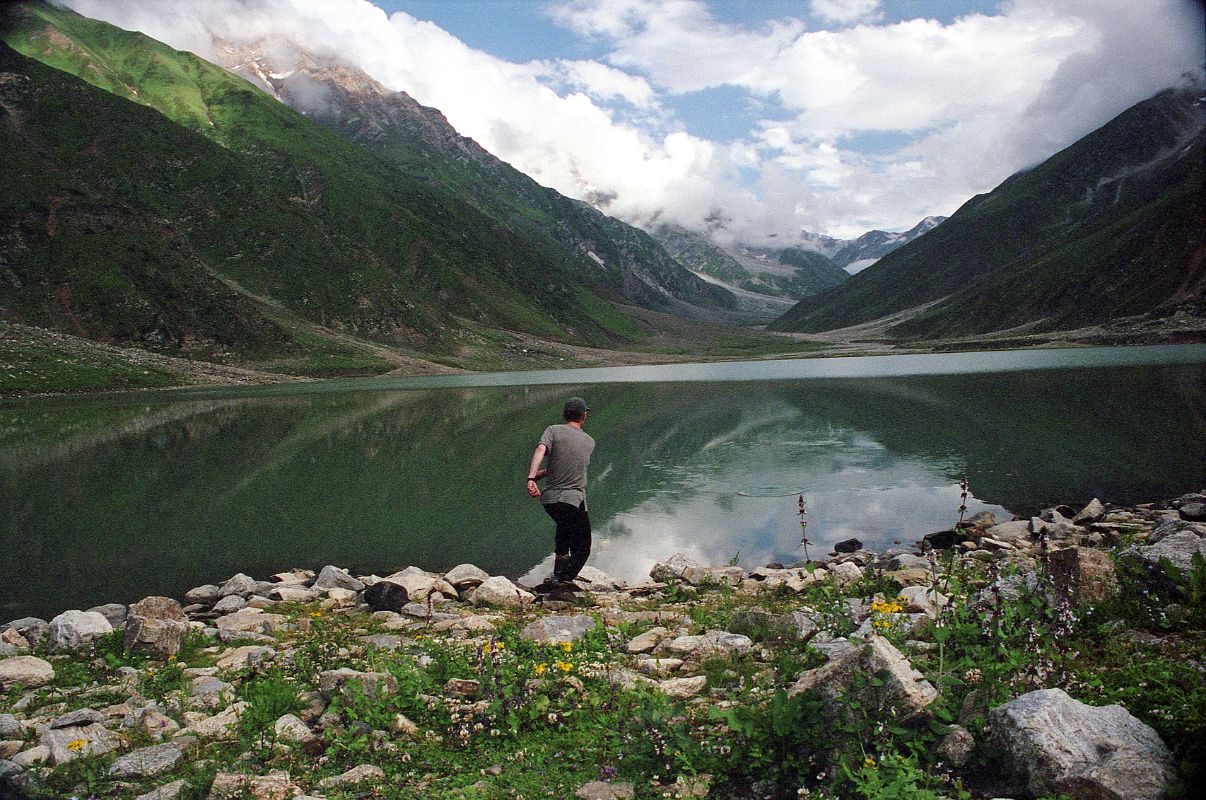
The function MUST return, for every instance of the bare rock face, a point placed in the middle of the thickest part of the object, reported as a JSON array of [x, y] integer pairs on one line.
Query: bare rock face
[[156, 626], [1052, 744], [905, 690], [1082, 575]]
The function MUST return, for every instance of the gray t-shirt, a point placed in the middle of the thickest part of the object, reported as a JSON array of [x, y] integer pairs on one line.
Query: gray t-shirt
[[568, 457]]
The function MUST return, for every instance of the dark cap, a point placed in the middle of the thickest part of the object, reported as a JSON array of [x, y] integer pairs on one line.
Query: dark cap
[[575, 407]]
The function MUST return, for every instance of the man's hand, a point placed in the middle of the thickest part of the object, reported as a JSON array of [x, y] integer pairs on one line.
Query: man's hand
[[533, 489]]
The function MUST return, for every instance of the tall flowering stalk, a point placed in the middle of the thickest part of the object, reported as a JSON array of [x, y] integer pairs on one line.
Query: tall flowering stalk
[[941, 631], [804, 527]]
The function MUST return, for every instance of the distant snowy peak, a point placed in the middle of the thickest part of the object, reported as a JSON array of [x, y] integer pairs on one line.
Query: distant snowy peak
[[864, 251]]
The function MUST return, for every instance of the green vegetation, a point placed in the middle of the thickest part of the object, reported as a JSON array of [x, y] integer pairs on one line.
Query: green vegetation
[[39, 363], [497, 715]]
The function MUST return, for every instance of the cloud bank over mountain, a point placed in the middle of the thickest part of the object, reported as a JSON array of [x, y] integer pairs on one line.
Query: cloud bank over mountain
[[859, 118]]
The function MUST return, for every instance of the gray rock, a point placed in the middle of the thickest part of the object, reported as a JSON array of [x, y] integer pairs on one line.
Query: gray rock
[[845, 573], [294, 593], [168, 791], [1016, 531], [250, 621], [80, 718], [601, 790], [290, 728], [1081, 575], [466, 576], [75, 630], [364, 772], [10, 727], [956, 747], [332, 577], [550, 630], [230, 604], [672, 569], [682, 688], [643, 643], [156, 626], [498, 591], [1051, 744], [923, 600], [848, 546], [1178, 547], [596, 580], [239, 584], [344, 681], [212, 693], [982, 519], [152, 720], [31, 628], [1194, 512], [235, 786], [905, 691], [220, 726], [68, 744], [28, 671], [909, 561], [7, 768], [205, 595], [1093, 512], [713, 576], [710, 643], [31, 756], [114, 612], [148, 762], [383, 641]]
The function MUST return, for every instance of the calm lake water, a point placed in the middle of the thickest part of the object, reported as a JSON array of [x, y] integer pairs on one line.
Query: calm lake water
[[109, 499]]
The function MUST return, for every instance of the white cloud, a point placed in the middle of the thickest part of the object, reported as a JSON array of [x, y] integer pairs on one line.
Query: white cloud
[[846, 11], [968, 102]]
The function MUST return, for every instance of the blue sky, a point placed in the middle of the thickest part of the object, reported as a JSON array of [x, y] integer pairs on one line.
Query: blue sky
[[753, 120]]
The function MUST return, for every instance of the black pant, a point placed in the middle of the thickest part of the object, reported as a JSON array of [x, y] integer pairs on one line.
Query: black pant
[[571, 546]]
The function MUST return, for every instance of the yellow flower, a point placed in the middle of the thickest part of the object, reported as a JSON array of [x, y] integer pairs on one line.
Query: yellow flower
[[315, 614], [540, 668], [171, 658], [868, 762], [567, 646], [499, 646], [77, 745], [564, 666]]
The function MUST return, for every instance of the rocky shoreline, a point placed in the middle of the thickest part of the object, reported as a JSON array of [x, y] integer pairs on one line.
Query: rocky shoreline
[[914, 665]]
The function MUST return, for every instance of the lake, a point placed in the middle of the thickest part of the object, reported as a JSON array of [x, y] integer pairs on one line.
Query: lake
[[112, 498]]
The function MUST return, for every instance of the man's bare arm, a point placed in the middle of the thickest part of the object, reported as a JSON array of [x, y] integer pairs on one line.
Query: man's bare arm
[[534, 470]]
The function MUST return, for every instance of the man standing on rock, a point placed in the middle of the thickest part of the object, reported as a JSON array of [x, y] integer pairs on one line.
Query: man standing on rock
[[568, 448]]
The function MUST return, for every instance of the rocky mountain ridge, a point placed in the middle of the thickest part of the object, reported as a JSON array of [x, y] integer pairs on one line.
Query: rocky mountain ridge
[[1108, 230]]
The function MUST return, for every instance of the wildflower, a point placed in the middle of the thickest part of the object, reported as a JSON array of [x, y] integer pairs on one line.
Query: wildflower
[[564, 666], [567, 646], [539, 669], [77, 745], [315, 614], [868, 761]]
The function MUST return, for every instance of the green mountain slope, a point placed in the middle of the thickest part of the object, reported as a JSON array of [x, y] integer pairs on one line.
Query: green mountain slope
[[1110, 227], [618, 258], [223, 224]]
